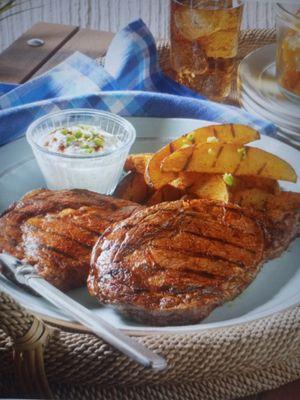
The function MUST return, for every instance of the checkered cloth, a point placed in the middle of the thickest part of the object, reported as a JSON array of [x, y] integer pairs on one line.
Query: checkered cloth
[[130, 84]]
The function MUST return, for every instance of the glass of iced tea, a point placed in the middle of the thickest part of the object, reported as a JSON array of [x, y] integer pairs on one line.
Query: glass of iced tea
[[288, 49], [204, 43]]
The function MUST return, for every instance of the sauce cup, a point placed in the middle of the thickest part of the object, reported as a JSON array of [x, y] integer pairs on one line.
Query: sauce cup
[[98, 172]]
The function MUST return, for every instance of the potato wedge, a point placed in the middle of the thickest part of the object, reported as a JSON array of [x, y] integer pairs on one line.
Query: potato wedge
[[211, 187], [185, 179], [166, 193], [137, 162], [230, 158], [227, 133], [134, 188]]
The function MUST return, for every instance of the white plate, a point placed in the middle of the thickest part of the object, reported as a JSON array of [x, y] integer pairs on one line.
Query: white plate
[[275, 288], [271, 115], [257, 78], [288, 136]]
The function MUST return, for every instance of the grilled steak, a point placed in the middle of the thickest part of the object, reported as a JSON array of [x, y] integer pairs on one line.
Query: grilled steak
[[56, 230], [173, 263], [281, 220]]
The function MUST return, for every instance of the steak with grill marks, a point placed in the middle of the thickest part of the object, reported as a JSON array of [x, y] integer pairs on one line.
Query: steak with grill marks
[[173, 263], [56, 231]]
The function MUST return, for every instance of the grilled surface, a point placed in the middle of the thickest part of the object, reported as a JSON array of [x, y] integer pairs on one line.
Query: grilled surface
[[56, 230], [174, 262]]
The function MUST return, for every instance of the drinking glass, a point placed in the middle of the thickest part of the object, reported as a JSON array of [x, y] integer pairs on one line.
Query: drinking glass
[[288, 49], [204, 43]]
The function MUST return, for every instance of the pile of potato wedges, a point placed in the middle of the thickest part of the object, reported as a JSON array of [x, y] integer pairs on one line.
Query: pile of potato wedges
[[212, 162]]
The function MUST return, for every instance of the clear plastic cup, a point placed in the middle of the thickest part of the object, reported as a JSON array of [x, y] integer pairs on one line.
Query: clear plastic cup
[[98, 172]]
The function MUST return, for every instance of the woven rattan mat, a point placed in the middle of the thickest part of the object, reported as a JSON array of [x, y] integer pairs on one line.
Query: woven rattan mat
[[218, 364]]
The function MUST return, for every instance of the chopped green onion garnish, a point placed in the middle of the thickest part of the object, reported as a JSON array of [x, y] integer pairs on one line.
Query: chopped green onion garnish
[[90, 150], [191, 137], [70, 139], [78, 134], [98, 141], [228, 179]]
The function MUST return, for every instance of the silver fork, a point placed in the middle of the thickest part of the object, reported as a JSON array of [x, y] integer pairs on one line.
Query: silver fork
[[25, 274]]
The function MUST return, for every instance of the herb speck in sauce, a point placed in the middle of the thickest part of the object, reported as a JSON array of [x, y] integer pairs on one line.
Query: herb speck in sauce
[[80, 140]]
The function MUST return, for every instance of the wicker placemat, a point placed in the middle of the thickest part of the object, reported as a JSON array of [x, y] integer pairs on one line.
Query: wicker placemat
[[218, 364]]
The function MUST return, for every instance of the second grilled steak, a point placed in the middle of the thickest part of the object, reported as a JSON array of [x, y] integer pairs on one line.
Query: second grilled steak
[[173, 263], [56, 231]]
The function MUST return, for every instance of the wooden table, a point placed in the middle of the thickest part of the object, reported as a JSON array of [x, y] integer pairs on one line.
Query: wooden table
[[20, 62]]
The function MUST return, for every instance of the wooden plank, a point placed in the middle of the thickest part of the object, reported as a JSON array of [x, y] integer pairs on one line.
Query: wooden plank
[[89, 42], [20, 61]]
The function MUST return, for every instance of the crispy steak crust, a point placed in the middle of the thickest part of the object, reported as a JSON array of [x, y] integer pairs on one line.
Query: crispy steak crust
[[173, 263], [56, 231]]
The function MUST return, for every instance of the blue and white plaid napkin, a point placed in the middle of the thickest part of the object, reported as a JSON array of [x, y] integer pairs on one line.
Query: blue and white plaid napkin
[[131, 84]]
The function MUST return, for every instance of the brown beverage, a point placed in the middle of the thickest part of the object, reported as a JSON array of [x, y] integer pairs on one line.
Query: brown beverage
[[204, 42], [288, 50]]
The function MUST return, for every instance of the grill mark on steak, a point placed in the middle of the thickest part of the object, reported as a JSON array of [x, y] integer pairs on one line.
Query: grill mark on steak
[[56, 250], [161, 230], [204, 255], [221, 241], [60, 235]]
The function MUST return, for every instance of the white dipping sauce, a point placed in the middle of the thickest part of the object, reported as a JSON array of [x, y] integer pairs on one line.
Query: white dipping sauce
[[81, 156], [82, 140]]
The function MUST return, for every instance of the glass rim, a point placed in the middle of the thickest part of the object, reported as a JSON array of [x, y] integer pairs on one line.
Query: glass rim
[[221, 8], [89, 111], [280, 8]]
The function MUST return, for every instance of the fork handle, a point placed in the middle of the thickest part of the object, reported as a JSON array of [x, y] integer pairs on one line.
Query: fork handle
[[97, 325], [25, 274]]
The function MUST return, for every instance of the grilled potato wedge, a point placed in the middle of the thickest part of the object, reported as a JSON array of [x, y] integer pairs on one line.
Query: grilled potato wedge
[[228, 133], [185, 179], [229, 158], [134, 188], [137, 162], [209, 186], [166, 193]]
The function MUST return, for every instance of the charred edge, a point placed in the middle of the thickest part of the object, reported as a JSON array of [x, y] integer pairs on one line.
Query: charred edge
[[187, 162], [260, 170], [217, 156], [171, 147], [232, 130], [215, 132], [237, 168]]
